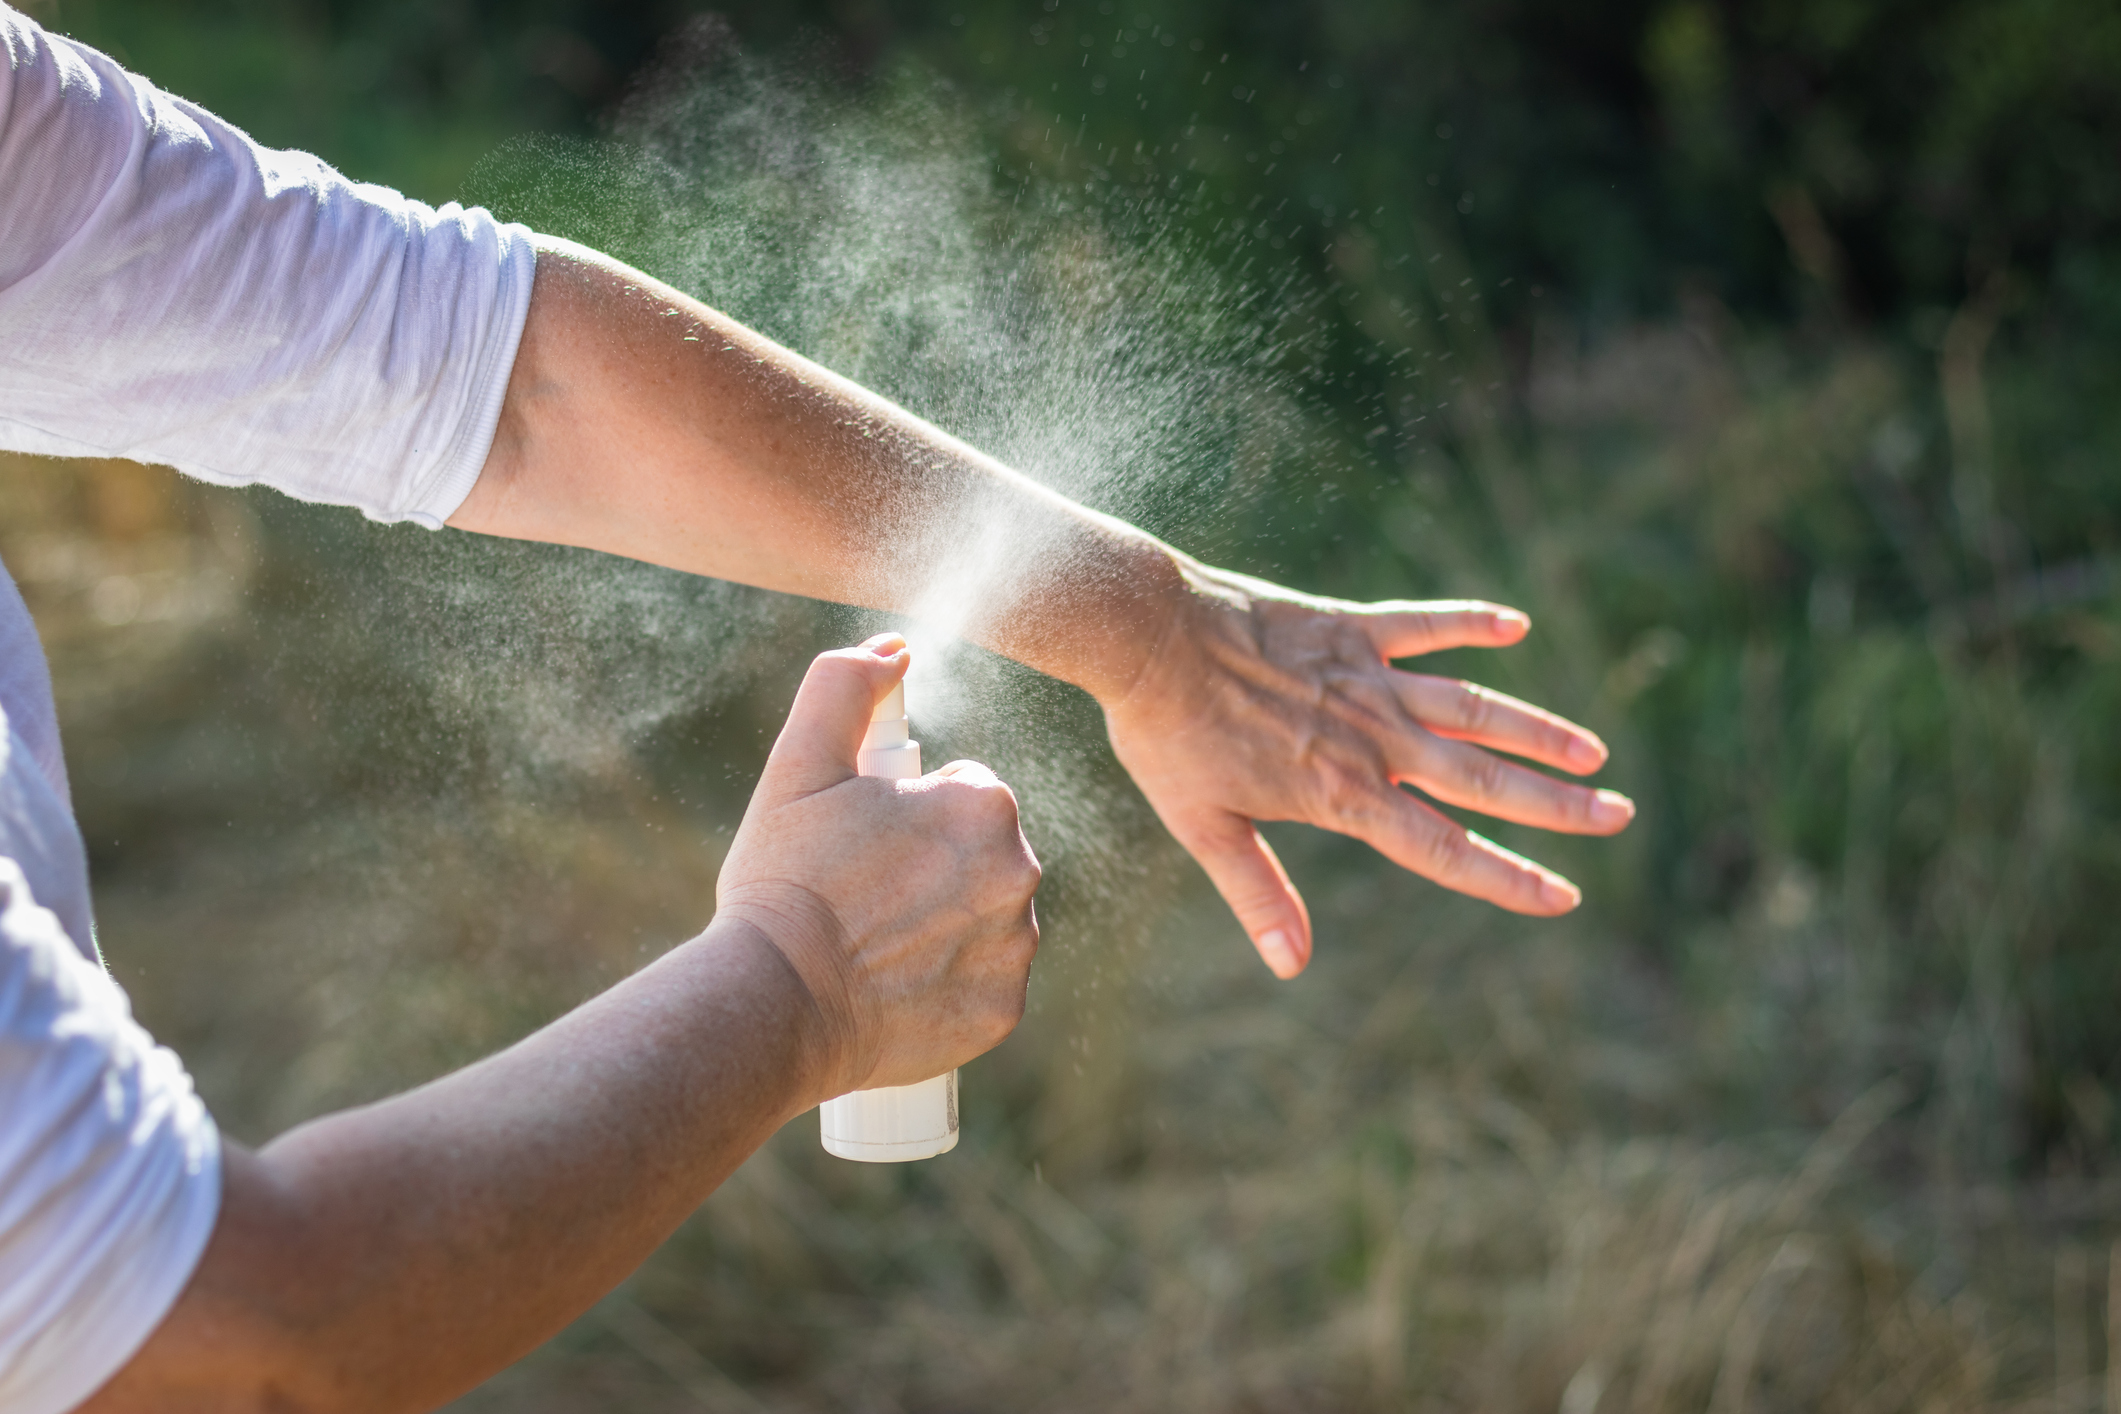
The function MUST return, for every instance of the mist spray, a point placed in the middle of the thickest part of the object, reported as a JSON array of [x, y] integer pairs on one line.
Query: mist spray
[[892, 1123]]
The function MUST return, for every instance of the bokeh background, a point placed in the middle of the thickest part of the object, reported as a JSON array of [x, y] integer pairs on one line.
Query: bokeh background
[[1768, 354]]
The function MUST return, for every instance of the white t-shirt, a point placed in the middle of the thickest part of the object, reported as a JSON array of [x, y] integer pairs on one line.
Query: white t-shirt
[[171, 292]]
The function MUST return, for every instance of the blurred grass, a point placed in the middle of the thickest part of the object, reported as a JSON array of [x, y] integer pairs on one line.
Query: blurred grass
[[1750, 1132], [1789, 418]]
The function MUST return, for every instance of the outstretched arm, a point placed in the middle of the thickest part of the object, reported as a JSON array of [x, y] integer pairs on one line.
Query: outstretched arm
[[641, 422]]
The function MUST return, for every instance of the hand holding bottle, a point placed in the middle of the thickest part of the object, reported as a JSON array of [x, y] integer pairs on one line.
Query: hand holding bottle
[[903, 906]]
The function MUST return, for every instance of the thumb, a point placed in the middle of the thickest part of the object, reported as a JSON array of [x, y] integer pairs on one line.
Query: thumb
[[1251, 880], [819, 743]]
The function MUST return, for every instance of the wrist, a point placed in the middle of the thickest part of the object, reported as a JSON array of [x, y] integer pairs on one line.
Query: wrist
[[776, 941], [1102, 621]]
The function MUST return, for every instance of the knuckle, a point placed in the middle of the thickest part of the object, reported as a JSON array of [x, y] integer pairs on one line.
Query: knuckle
[[976, 796], [1576, 804], [1002, 871], [1001, 1021], [1485, 776], [1002, 1014], [1000, 803], [838, 660], [1447, 850], [1346, 792], [1476, 709], [970, 774], [960, 801]]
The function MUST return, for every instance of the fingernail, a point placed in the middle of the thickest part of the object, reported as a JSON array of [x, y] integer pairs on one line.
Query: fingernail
[[1559, 895], [1587, 751], [1280, 953], [1512, 620], [885, 645], [1610, 810]]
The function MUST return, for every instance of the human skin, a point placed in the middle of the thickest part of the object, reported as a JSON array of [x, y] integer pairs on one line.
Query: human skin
[[643, 423], [390, 1257], [867, 932]]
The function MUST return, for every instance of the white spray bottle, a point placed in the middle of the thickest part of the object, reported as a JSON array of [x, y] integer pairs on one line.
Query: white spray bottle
[[893, 1123]]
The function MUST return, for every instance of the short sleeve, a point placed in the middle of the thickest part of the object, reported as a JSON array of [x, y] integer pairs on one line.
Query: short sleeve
[[170, 291], [109, 1167]]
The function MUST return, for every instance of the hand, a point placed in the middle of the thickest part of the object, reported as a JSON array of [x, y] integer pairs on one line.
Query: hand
[[903, 906], [1262, 704]]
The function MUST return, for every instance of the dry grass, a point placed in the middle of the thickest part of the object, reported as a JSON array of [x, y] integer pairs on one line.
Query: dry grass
[[1292, 1235]]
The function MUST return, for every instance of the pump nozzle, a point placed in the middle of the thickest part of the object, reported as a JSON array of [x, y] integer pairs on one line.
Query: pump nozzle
[[888, 749]]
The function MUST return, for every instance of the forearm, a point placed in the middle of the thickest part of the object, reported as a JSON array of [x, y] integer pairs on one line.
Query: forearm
[[392, 1256], [640, 422]]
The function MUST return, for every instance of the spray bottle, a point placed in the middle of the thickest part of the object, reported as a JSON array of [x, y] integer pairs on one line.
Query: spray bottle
[[893, 1123]]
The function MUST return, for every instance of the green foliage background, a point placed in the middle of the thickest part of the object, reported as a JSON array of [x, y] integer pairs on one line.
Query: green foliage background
[[1768, 353]]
